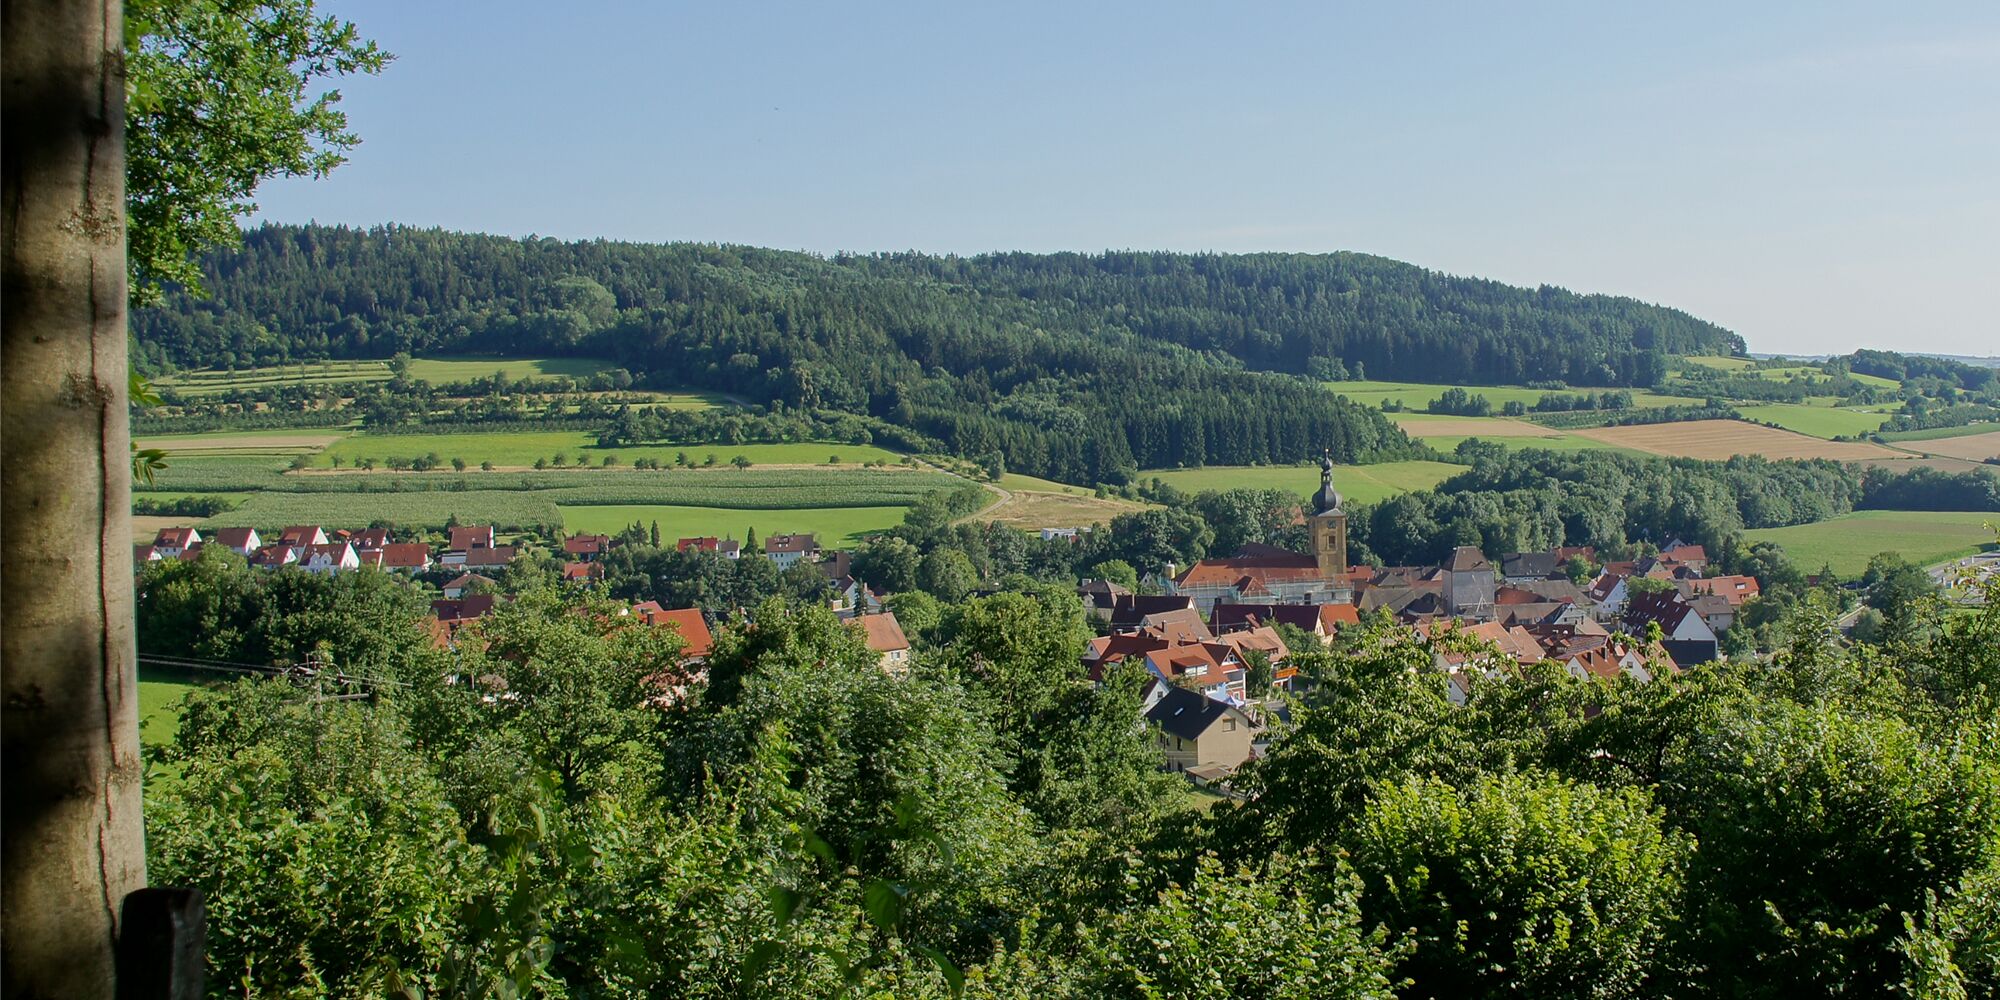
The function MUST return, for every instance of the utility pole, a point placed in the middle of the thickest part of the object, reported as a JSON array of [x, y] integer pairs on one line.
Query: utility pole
[[73, 846]]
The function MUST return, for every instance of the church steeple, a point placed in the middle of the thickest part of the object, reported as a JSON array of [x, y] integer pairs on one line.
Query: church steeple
[[1327, 500]]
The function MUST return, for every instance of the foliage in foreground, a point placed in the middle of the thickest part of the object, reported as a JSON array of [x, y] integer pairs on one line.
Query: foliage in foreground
[[521, 816]]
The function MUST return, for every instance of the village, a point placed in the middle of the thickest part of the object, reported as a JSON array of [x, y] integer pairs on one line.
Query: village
[[1216, 639]]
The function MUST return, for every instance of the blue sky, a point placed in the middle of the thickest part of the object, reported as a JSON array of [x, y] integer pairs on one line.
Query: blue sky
[[1817, 177]]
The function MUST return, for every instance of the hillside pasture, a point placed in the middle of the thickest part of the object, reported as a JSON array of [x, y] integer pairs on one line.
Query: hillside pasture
[[833, 525], [1720, 363], [467, 368], [1358, 483], [276, 442], [1722, 439], [520, 450], [1847, 543]]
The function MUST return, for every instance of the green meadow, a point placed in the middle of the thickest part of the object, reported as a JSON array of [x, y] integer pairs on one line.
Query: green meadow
[[1418, 395], [1847, 543], [1816, 421]]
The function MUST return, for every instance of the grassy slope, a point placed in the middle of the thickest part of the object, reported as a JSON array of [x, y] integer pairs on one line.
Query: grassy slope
[[833, 524], [1416, 395], [1847, 543]]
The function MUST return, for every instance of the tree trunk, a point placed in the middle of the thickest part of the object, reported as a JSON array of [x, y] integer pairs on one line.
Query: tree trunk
[[69, 747]]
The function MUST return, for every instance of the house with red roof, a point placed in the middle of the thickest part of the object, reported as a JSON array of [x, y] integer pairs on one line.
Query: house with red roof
[[727, 548], [329, 557], [788, 549], [884, 636], [582, 572], [301, 535], [697, 640], [241, 541], [169, 543], [586, 548]]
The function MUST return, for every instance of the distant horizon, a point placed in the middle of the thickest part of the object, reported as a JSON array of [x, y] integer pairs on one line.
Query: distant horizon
[[1816, 178]]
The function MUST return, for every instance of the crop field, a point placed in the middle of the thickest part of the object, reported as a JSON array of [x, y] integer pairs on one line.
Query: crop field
[[1817, 421], [1847, 543], [1935, 433], [210, 381], [1358, 483], [1416, 396], [1721, 439], [1971, 447], [146, 527], [520, 450], [1032, 510], [833, 525]]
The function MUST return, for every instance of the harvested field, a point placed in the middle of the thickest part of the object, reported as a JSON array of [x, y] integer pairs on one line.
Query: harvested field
[[1939, 463], [1721, 439], [1032, 511], [1426, 425], [1971, 447]]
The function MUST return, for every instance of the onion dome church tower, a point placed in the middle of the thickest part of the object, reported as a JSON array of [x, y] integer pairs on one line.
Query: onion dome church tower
[[1328, 525]]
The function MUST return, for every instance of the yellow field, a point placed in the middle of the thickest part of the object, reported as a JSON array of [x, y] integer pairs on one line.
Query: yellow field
[[1032, 510], [1721, 439]]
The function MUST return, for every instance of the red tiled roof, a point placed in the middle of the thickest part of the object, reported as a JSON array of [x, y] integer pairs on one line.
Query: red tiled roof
[[467, 537], [693, 628], [233, 538], [1734, 589], [791, 543], [883, 632], [405, 555], [586, 545], [583, 571]]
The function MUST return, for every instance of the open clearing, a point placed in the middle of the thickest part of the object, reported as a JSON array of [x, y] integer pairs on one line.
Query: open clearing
[[833, 525], [160, 697], [465, 369], [1032, 510], [1971, 447], [1720, 363], [1722, 439], [146, 527], [1358, 483], [1847, 543], [520, 450], [210, 381]]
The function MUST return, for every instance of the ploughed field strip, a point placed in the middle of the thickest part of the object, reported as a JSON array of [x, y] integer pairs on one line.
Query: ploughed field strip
[[1970, 447], [1722, 439]]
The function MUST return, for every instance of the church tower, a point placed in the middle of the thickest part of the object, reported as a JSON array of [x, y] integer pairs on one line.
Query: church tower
[[1328, 525]]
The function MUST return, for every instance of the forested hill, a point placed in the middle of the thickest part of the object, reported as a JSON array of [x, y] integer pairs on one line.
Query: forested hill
[[1072, 365]]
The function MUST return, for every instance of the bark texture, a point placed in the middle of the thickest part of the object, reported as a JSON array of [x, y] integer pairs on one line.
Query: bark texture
[[69, 740]]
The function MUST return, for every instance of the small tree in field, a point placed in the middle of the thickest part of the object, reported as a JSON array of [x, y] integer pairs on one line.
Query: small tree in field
[[740, 462], [609, 461], [486, 466], [457, 464]]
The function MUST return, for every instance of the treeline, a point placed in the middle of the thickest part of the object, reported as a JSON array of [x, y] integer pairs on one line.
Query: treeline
[[1890, 364], [1074, 367]]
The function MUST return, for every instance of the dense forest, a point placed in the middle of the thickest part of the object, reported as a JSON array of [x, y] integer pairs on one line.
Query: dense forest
[[1081, 368]]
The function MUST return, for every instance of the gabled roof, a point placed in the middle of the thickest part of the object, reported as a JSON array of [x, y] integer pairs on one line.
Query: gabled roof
[[1665, 607], [235, 538], [278, 554], [695, 636], [1264, 638], [1686, 554], [1734, 589], [467, 537], [370, 538], [1186, 714], [1467, 559], [464, 580], [1515, 642], [883, 632], [464, 608], [176, 538], [336, 551], [301, 535], [791, 543], [498, 556], [405, 555], [1529, 564], [582, 572], [586, 545]]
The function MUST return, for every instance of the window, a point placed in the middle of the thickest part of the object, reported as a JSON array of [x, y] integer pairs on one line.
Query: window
[[1229, 725]]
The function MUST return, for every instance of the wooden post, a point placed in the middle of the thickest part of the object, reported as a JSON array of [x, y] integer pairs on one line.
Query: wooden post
[[72, 847], [161, 942]]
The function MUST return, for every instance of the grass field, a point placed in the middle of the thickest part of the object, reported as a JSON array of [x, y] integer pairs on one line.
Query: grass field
[[1935, 433], [1358, 483], [1564, 441], [833, 525], [1438, 425], [1721, 439], [1720, 363], [1016, 481], [279, 442], [1417, 395], [1847, 543], [160, 706], [520, 449], [1817, 421]]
